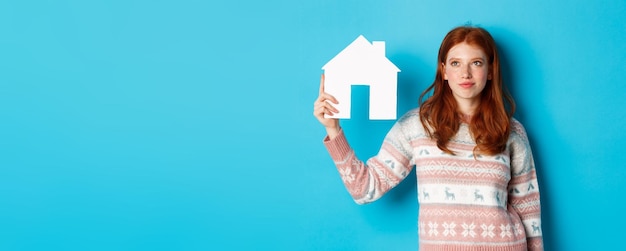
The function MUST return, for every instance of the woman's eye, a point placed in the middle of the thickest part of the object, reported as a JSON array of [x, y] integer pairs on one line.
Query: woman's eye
[[454, 63], [478, 63]]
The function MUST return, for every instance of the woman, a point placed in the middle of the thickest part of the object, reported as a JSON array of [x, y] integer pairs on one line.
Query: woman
[[477, 185]]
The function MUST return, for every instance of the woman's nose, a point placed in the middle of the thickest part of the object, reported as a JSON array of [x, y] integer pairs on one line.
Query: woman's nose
[[465, 72]]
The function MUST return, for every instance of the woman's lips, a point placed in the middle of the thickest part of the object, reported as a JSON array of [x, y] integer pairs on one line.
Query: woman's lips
[[466, 85]]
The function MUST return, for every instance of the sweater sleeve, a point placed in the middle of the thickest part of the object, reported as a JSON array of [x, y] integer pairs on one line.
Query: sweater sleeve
[[367, 182], [523, 187]]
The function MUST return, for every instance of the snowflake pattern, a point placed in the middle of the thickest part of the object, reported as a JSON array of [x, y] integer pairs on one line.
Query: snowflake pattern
[[468, 230], [346, 174], [488, 230], [448, 229], [505, 230], [356, 163], [517, 230], [433, 228]]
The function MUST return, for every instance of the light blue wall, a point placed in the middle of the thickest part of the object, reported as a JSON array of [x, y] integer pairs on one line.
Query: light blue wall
[[187, 125]]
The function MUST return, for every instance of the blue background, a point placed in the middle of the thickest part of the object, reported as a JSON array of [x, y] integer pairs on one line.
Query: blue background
[[187, 125]]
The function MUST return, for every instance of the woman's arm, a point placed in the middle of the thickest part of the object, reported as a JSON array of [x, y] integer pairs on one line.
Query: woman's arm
[[366, 182], [523, 187]]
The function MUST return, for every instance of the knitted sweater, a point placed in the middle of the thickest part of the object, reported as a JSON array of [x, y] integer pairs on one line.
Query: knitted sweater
[[467, 202]]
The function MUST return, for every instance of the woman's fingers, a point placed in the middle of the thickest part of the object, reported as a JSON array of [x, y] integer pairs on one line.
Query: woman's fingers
[[330, 98], [330, 107], [322, 102], [323, 108], [325, 95], [321, 84], [326, 98]]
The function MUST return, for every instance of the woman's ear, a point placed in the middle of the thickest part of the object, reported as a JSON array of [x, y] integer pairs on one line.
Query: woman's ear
[[443, 71]]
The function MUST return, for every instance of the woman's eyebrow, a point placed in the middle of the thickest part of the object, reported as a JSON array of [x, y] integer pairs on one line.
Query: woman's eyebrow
[[472, 59]]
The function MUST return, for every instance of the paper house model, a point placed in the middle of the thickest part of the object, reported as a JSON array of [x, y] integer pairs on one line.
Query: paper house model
[[363, 63]]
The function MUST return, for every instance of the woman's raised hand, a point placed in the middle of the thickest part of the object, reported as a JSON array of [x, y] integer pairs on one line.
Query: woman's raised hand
[[322, 107]]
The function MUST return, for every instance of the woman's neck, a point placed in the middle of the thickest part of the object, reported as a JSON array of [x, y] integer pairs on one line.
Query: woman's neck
[[467, 110], [465, 118]]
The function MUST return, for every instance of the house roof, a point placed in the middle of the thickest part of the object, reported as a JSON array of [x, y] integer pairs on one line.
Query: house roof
[[362, 55]]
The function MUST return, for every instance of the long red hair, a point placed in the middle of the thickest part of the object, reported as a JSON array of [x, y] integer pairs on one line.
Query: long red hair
[[490, 125]]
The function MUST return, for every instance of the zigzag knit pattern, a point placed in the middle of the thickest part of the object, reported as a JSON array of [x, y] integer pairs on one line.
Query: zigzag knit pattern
[[467, 202]]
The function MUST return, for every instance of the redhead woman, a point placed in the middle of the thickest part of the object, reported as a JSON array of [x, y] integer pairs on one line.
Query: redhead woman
[[477, 184]]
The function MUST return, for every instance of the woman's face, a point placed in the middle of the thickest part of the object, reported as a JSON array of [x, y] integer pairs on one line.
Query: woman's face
[[466, 69]]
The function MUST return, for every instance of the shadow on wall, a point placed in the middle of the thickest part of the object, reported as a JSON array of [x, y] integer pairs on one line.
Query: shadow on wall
[[514, 51]]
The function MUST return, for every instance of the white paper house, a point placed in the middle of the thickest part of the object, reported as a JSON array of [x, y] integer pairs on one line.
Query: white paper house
[[363, 63]]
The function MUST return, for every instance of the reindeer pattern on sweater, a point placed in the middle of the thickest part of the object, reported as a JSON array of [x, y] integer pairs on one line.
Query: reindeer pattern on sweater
[[467, 201]]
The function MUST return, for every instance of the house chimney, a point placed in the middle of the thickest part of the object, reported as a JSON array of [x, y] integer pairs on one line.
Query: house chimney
[[379, 48]]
